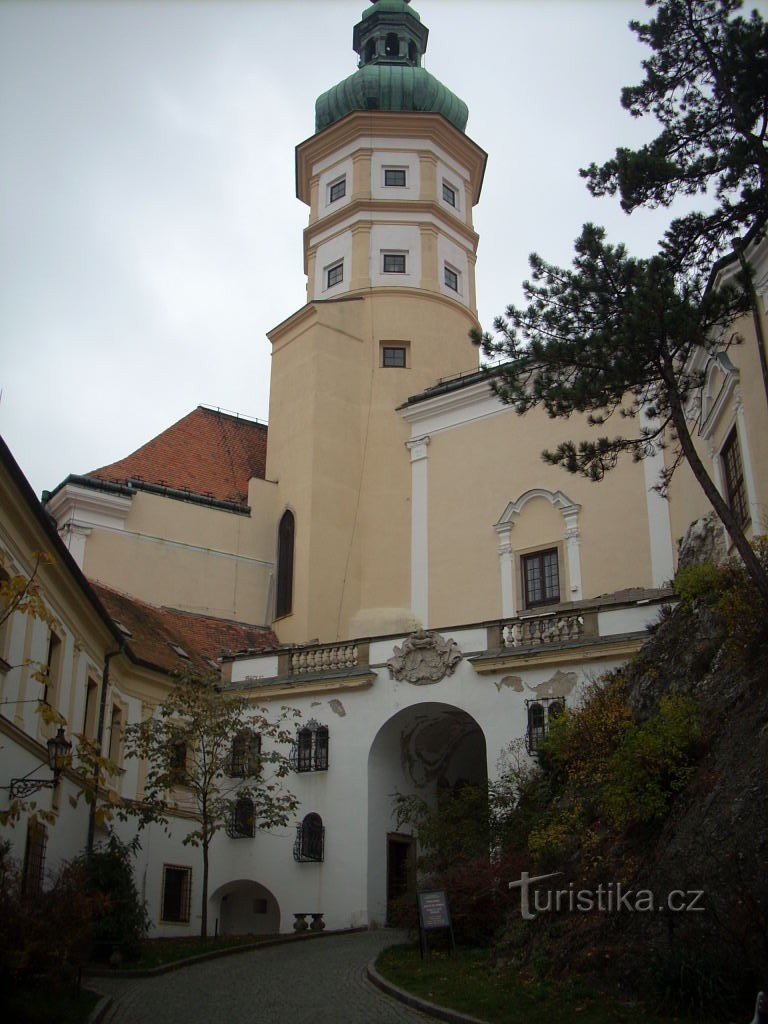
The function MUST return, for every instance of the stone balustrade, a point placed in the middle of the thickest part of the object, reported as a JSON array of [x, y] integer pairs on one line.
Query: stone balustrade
[[545, 629], [323, 659]]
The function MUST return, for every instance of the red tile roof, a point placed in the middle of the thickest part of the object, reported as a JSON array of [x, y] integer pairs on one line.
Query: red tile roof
[[207, 452], [204, 638]]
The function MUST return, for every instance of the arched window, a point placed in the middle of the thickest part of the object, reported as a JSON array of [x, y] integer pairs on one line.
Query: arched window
[[310, 839], [392, 45], [242, 823], [541, 714], [413, 53], [370, 50], [285, 536]]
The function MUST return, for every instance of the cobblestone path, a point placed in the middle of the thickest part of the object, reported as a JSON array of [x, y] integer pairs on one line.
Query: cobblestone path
[[321, 981]]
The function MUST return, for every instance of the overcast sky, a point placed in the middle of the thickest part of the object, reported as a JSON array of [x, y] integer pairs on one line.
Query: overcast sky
[[149, 230]]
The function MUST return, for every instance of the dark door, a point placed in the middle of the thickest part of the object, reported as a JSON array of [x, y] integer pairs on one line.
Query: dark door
[[401, 871]]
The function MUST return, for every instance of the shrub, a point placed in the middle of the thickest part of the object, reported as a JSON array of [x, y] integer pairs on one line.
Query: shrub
[[743, 608], [108, 875], [699, 583], [652, 763]]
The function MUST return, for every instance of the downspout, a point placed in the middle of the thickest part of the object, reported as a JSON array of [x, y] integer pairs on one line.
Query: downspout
[[99, 739]]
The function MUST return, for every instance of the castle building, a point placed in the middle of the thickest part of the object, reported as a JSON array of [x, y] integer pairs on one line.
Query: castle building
[[390, 556]]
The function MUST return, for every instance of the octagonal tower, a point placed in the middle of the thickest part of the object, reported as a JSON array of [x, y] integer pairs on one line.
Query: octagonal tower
[[390, 179]]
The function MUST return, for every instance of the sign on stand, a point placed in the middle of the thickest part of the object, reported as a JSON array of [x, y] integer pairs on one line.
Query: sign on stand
[[434, 915]]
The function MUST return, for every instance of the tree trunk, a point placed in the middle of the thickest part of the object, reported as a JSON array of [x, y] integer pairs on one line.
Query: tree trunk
[[204, 909], [723, 511]]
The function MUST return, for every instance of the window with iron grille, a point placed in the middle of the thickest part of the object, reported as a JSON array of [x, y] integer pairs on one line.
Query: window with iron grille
[[309, 844], [310, 749], [449, 194], [337, 190], [242, 820], [735, 485], [178, 765], [245, 758], [541, 713], [541, 578], [34, 859], [394, 263], [392, 355], [335, 274], [451, 279], [394, 177], [177, 890]]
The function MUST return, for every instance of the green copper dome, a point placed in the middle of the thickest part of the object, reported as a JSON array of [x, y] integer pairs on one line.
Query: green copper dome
[[390, 40]]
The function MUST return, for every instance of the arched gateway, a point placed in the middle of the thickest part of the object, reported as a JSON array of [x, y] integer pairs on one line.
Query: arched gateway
[[244, 907], [418, 751]]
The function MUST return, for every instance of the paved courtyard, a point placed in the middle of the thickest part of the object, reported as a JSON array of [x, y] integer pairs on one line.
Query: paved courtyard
[[321, 981]]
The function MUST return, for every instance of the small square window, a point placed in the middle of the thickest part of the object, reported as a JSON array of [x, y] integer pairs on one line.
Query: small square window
[[394, 176], [335, 274], [337, 190], [394, 263], [393, 355], [451, 279], [449, 194]]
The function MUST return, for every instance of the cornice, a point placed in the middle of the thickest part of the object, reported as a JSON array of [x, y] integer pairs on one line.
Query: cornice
[[379, 209], [83, 506], [364, 124]]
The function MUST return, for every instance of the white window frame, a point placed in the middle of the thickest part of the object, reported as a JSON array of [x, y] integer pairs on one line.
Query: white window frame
[[340, 180], [448, 269], [401, 170], [454, 192], [397, 253], [327, 271]]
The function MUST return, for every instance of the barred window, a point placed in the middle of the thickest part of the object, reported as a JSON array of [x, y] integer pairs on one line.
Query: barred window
[[735, 485], [541, 578], [242, 821], [34, 858], [310, 749], [245, 758], [309, 844], [541, 714], [177, 890]]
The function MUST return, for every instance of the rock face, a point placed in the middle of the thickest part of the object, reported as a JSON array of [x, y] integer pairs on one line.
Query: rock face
[[715, 840], [704, 541]]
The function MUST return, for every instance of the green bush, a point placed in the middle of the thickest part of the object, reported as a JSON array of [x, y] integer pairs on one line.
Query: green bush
[[123, 923], [652, 762], [702, 583]]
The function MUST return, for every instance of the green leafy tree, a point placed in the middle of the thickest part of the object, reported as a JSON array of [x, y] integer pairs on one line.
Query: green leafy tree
[[706, 84], [612, 338], [92, 773], [220, 756]]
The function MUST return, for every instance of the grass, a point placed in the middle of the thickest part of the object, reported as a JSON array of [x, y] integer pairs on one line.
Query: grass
[[472, 984], [159, 952], [41, 1004]]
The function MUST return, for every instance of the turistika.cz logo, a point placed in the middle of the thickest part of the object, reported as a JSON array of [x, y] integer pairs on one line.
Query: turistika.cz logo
[[610, 898]]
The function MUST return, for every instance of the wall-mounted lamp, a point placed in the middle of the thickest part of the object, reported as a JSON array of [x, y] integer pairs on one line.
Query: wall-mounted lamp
[[59, 748]]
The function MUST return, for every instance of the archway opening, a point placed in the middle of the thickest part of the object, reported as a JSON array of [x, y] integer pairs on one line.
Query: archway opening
[[424, 751], [246, 908]]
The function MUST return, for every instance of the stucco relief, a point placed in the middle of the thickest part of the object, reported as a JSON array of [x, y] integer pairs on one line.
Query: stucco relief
[[424, 658], [558, 685]]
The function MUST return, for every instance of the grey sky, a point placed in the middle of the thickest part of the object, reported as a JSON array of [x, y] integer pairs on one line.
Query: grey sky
[[149, 230]]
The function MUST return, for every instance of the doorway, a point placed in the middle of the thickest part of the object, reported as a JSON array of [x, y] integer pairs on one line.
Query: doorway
[[401, 872]]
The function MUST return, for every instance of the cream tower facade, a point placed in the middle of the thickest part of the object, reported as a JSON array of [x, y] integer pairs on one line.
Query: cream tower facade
[[391, 180]]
